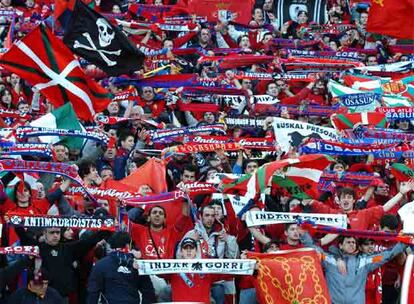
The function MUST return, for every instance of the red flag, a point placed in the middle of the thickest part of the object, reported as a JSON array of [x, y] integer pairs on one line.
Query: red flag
[[152, 173], [393, 18], [50, 67], [349, 120], [242, 10], [62, 5], [290, 276]]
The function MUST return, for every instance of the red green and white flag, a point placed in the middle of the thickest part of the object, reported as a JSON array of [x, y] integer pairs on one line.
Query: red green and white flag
[[402, 172], [349, 120], [49, 66], [297, 176]]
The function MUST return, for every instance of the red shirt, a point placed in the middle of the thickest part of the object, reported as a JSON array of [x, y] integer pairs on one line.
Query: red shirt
[[164, 239], [358, 219], [199, 292]]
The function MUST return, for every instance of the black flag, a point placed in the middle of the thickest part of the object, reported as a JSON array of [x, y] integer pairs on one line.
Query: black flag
[[94, 38]]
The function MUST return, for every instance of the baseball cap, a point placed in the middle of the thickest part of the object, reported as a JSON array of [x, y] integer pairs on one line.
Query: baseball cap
[[188, 242]]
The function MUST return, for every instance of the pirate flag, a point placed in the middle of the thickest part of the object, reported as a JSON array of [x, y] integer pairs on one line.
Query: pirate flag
[[91, 36]]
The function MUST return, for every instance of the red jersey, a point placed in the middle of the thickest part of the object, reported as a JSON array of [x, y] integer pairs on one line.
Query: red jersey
[[358, 219], [159, 244], [373, 290]]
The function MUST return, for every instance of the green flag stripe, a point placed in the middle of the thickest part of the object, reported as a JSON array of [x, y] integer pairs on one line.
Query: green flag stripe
[[290, 186], [345, 120], [94, 93], [238, 181], [25, 68], [53, 64], [261, 178], [382, 123]]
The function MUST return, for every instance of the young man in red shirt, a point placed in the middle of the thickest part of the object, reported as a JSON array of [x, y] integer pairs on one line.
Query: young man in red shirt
[[365, 218]]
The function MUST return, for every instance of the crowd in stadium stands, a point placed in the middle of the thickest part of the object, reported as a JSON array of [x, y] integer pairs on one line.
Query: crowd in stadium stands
[[312, 65]]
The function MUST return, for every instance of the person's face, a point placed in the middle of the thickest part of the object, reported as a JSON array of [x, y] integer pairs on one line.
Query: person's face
[[52, 236], [29, 3], [218, 211], [62, 153], [157, 217], [272, 248], [158, 2], [372, 60], [128, 143], [68, 234], [383, 190], [205, 36], [24, 196], [258, 15], [23, 108], [110, 153], [188, 177], [302, 18], [250, 167], [93, 173], [116, 9], [293, 203], [267, 5], [188, 252], [208, 217], [339, 168], [39, 288], [40, 191], [148, 93], [208, 117], [292, 233], [344, 39], [107, 174], [368, 247], [113, 108], [348, 246], [211, 174], [14, 79], [346, 201], [267, 38], [363, 19], [403, 125], [388, 229], [132, 167], [168, 44], [244, 42], [145, 190], [273, 90], [246, 84], [6, 98]]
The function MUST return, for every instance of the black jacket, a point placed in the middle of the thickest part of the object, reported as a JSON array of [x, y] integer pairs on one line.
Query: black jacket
[[58, 260], [24, 296], [119, 283]]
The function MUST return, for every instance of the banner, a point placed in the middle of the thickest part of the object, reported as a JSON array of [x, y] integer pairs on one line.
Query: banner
[[171, 133], [397, 113], [223, 10], [28, 149], [220, 266], [102, 193], [62, 222], [259, 218], [24, 250], [360, 102], [28, 131], [291, 133], [290, 276]]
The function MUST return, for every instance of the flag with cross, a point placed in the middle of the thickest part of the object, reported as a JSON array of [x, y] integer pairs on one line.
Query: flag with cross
[[49, 66]]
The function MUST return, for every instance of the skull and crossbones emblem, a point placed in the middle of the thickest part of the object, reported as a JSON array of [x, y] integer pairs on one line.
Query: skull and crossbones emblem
[[105, 37]]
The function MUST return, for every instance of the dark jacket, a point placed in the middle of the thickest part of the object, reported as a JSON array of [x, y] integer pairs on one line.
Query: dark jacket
[[119, 283], [24, 296], [58, 260]]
